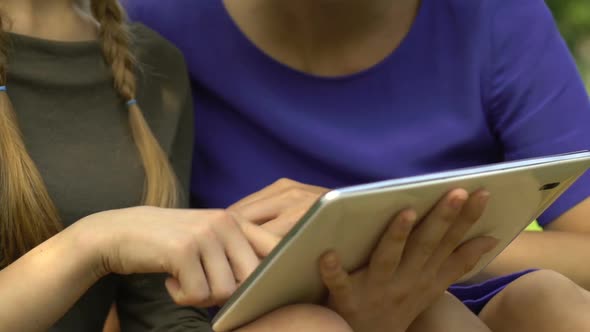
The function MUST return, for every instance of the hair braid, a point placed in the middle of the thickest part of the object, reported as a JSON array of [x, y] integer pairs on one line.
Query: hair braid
[[161, 185], [27, 214]]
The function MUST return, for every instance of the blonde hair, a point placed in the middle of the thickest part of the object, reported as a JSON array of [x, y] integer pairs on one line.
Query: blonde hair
[[27, 214]]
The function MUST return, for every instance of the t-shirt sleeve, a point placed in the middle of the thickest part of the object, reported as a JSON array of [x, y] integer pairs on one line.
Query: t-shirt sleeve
[[536, 100]]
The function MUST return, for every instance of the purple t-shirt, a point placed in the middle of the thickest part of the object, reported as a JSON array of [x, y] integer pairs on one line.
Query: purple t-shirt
[[474, 82]]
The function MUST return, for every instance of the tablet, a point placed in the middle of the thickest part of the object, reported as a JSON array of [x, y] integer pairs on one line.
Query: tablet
[[351, 221]]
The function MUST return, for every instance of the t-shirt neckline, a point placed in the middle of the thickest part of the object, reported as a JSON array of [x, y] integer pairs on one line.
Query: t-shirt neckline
[[256, 52]]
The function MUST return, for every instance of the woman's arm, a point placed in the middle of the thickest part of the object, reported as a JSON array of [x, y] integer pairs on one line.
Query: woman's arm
[[563, 247], [538, 105]]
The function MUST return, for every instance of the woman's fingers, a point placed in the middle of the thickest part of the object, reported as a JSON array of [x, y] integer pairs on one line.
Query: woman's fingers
[[338, 283], [426, 238], [272, 207], [276, 188], [265, 192], [284, 223], [470, 214], [264, 209], [388, 253], [465, 258]]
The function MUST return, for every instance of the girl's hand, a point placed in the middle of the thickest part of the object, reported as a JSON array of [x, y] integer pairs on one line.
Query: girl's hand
[[205, 252], [411, 267]]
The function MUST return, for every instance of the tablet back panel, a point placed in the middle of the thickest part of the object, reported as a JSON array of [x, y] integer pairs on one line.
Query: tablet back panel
[[352, 220]]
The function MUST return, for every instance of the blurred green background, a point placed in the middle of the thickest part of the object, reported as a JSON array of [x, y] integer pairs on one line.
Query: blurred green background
[[573, 18]]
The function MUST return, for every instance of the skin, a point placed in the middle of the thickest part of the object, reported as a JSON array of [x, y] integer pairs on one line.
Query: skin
[[326, 37], [52, 20], [561, 248]]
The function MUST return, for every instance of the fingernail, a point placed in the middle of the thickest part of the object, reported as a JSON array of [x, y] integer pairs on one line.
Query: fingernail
[[491, 244], [457, 202], [331, 261], [484, 197], [410, 218]]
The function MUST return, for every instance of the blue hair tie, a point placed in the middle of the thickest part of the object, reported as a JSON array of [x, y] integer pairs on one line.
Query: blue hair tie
[[3, 88], [131, 102]]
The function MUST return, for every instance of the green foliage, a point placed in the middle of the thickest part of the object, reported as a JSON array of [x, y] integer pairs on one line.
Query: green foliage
[[573, 19]]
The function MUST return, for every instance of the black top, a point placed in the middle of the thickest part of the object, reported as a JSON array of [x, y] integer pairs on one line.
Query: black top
[[76, 129]]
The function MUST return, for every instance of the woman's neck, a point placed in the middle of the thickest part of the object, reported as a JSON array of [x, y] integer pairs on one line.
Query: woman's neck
[[325, 37], [335, 19], [58, 20]]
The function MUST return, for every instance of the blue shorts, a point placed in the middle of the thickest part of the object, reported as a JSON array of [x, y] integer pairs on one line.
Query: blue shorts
[[476, 296]]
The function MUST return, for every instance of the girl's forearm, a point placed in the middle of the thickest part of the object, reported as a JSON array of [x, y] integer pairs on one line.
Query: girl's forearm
[[39, 288]]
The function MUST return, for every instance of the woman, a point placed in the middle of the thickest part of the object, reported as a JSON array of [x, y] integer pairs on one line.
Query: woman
[[334, 93]]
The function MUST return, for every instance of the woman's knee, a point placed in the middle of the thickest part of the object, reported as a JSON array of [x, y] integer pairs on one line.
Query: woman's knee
[[300, 317], [545, 293], [540, 288]]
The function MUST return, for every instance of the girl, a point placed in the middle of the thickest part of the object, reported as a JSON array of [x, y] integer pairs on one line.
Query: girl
[[73, 142]]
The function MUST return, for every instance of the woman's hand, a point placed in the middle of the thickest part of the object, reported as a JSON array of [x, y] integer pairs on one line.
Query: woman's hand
[[206, 252], [279, 206], [411, 267]]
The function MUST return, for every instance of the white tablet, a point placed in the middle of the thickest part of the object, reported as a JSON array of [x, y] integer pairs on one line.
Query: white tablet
[[351, 221]]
